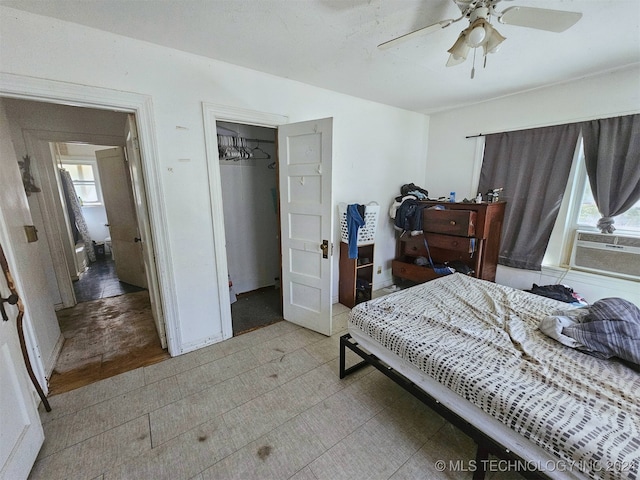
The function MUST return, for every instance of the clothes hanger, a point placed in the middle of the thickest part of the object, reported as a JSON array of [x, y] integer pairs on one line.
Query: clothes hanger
[[257, 147]]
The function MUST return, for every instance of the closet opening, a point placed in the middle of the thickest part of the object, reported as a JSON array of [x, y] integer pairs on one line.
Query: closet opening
[[249, 178]]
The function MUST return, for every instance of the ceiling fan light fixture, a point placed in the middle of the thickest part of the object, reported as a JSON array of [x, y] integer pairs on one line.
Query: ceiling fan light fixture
[[460, 49], [493, 40], [476, 36], [453, 60], [480, 32]]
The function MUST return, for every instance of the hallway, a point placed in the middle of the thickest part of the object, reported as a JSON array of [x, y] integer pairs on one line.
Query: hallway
[[104, 338], [111, 330]]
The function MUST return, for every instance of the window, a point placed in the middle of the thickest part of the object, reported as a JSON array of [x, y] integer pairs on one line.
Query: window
[[85, 181], [588, 214], [583, 213], [579, 212]]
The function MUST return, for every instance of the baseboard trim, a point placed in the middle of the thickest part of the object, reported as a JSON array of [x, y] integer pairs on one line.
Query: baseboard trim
[[53, 359]]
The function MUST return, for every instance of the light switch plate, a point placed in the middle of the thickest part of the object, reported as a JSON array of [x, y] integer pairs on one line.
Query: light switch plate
[[32, 233]]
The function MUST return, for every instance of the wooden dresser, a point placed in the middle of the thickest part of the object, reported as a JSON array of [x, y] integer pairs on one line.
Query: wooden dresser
[[467, 232]]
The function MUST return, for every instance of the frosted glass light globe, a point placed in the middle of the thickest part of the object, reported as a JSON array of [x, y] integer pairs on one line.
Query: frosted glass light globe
[[476, 36]]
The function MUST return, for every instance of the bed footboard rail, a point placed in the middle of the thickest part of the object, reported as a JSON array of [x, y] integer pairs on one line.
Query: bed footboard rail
[[486, 445]]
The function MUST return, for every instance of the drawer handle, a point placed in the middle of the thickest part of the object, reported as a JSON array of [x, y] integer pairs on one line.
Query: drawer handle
[[452, 222], [414, 248], [455, 244]]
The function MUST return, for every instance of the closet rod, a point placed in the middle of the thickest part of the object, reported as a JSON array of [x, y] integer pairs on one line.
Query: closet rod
[[259, 141]]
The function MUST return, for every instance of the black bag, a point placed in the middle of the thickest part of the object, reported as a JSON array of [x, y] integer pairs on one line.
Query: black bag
[[409, 215], [405, 213]]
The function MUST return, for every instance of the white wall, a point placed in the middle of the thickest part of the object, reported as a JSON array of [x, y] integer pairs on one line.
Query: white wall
[[451, 156], [96, 218], [251, 225], [453, 161], [376, 148]]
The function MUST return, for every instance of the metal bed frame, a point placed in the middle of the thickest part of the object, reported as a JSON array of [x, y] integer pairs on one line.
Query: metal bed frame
[[485, 444]]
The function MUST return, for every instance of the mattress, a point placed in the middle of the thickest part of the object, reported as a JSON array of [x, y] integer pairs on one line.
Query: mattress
[[480, 340]]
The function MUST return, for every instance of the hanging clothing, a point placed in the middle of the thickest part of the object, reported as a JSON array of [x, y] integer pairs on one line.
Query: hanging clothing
[[354, 222], [78, 223]]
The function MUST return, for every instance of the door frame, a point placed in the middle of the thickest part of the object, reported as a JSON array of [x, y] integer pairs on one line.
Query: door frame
[[56, 92], [211, 114]]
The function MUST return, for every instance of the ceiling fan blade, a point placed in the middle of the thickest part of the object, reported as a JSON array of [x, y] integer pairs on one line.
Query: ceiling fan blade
[[416, 33], [540, 18]]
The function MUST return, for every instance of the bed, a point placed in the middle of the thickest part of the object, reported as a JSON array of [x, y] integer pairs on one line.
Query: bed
[[472, 350]]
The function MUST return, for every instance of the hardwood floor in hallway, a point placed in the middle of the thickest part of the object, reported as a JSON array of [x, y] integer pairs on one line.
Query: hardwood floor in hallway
[[103, 338]]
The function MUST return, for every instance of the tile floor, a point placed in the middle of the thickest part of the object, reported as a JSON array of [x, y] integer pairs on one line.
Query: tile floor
[[264, 405], [100, 281]]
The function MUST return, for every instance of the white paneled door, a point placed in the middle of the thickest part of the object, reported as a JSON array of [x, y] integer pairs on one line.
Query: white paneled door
[[21, 433], [141, 208], [304, 156], [123, 223]]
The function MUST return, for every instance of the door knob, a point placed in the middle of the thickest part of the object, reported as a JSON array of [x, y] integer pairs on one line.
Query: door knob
[[11, 300], [325, 248], [137, 239]]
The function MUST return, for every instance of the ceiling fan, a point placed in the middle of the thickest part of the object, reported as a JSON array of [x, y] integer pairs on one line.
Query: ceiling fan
[[480, 32]]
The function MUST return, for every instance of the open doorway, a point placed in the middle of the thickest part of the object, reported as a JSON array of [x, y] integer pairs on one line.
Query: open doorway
[[100, 320], [111, 329], [85, 203], [249, 179]]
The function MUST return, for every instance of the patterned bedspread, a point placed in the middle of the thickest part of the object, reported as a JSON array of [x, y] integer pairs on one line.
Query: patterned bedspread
[[481, 340]]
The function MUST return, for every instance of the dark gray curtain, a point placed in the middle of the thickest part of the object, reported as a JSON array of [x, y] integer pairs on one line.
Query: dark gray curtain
[[612, 156], [533, 168]]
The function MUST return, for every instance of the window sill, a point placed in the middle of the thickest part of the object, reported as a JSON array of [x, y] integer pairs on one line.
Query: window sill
[[564, 272]]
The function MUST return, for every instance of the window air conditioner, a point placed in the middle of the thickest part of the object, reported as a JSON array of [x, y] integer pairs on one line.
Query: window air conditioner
[[608, 254]]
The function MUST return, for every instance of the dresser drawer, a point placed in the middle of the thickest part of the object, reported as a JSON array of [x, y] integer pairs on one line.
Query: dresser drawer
[[414, 247], [450, 242], [451, 222], [412, 272]]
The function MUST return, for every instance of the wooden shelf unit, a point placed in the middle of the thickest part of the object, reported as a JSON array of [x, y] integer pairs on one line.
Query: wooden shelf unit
[[467, 232], [352, 270]]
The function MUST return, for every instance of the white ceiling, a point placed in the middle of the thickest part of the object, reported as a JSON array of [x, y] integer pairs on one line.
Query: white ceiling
[[332, 43]]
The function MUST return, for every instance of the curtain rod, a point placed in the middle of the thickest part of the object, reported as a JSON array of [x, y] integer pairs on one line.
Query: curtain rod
[[568, 122]]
